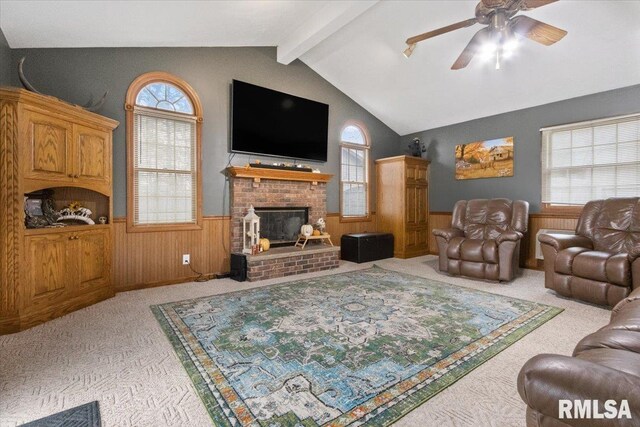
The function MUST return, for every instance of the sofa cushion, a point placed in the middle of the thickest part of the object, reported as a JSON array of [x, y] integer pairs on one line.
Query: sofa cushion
[[594, 265], [564, 259], [627, 317], [476, 250]]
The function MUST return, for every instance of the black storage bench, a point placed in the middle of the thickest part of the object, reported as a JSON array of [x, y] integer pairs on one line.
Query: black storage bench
[[364, 247]]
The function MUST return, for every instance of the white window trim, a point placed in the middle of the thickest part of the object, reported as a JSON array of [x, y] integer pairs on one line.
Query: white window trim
[[365, 148]]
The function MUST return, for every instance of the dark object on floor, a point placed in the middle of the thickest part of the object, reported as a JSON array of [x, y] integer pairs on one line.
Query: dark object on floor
[[605, 366], [238, 267], [484, 239], [87, 415], [601, 263], [365, 247]]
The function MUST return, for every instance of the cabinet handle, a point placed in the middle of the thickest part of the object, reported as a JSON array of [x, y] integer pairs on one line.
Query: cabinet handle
[[76, 176], [70, 175], [74, 237]]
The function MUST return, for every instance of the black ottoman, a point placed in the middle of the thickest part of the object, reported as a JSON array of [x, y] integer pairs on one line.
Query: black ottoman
[[364, 247]]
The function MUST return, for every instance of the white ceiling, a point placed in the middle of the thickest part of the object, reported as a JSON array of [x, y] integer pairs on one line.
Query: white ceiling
[[357, 46]]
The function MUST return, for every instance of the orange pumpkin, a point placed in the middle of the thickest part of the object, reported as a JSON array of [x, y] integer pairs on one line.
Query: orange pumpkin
[[316, 232]]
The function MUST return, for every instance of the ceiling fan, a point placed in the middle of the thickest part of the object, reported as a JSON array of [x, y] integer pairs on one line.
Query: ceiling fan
[[500, 36]]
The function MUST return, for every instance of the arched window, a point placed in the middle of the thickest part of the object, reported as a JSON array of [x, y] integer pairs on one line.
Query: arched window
[[354, 172], [164, 120]]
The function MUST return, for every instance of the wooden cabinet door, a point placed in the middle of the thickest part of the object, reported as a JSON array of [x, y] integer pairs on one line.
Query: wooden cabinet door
[[417, 241], [93, 259], [49, 274], [422, 205], [93, 155], [49, 148]]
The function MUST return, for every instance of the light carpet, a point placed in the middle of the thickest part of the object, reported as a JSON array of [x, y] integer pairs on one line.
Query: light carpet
[[116, 353]]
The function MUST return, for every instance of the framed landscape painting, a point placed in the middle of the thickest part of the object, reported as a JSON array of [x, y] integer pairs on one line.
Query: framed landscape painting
[[492, 158]]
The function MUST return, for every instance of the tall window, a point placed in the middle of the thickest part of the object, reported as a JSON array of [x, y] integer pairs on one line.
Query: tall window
[[163, 137], [354, 172], [591, 160]]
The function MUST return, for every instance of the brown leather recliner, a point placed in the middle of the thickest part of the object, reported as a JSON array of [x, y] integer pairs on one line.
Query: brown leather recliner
[[484, 239], [605, 366], [601, 263]]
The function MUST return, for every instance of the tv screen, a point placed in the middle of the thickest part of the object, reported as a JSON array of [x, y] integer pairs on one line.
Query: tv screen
[[273, 123]]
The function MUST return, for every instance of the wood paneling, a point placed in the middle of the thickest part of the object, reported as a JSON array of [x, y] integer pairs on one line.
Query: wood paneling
[[337, 228], [437, 220], [155, 258], [144, 260], [528, 246]]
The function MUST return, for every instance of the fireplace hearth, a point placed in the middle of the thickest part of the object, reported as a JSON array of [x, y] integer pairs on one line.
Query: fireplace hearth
[[281, 225]]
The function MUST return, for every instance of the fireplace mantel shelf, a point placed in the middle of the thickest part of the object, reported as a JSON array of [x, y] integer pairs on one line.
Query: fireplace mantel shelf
[[278, 174]]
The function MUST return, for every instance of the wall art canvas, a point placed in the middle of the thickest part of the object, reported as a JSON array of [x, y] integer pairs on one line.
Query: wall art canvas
[[492, 158]]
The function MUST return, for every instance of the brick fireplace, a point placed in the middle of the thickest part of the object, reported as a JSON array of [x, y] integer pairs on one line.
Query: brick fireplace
[[265, 188]]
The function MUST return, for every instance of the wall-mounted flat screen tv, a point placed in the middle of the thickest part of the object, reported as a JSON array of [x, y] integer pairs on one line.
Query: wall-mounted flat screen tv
[[272, 123]]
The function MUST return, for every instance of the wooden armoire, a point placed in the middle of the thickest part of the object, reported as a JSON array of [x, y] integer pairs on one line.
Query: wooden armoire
[[402, 194], [48, 144]]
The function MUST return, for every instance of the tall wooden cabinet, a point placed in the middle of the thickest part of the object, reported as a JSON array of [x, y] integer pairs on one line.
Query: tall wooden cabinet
[[46, 143], [402, 185]]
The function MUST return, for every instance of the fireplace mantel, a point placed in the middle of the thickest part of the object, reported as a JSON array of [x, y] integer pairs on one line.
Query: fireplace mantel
[[278, 174]]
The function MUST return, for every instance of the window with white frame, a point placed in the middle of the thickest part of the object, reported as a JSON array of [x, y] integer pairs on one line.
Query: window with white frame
[[354, 172], [591, 160], [164, 156]]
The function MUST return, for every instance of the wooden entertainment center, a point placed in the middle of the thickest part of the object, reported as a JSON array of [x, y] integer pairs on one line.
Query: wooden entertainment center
[[49, 144]]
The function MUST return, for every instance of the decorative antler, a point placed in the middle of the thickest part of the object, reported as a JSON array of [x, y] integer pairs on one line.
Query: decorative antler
[[89, 106], [23, 79]]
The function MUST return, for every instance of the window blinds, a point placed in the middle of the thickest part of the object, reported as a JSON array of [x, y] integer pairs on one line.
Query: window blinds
[[354, 181], [591, 160], [164, 167]]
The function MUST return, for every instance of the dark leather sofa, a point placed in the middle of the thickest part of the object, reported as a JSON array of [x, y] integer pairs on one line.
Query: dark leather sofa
[[601, 263], [605, 366], [484, 239]]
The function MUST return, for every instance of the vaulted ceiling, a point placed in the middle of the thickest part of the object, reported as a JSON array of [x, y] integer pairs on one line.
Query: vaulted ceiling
[[357, 46]]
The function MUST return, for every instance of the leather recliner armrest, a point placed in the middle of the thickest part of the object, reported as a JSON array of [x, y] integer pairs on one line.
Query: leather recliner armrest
[[448, 233], [564, 241], [509, 236], [547, 378]]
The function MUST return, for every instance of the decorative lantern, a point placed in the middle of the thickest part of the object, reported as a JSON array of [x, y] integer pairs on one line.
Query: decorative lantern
[[250, 231]]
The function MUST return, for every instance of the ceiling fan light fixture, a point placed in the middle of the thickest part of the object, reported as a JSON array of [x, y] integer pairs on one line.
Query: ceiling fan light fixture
[[409, 50]]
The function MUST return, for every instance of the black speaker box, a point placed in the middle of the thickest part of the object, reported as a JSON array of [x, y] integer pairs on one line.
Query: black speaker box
[[238, 267]]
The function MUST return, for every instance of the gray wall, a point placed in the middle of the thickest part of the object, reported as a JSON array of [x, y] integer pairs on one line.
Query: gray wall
[[75, 74], [525, 126], [5, 61]]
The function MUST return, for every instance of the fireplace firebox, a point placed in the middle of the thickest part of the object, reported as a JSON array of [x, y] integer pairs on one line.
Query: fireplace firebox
[[281, 225]]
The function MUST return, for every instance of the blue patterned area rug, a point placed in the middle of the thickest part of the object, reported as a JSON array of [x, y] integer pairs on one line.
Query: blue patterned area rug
[[87, 415], [364, 347]]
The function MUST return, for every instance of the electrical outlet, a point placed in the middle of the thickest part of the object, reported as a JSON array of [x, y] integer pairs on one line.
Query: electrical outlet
[[186, 259]]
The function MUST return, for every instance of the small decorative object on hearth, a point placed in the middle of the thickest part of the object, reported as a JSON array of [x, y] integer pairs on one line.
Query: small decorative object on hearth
[[75, 213], [306, 230], [250, 231], [321, 225], [102, 220], [265, 244], [417, 147]]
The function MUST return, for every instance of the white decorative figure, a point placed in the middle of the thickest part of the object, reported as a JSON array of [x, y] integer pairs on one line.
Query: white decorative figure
[[250, 231]]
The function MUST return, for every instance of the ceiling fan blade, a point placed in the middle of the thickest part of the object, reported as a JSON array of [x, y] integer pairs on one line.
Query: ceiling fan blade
[[472, 48], [532, 4], [448, 28], [535, 30]]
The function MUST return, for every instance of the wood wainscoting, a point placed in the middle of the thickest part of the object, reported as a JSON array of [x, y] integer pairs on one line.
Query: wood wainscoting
[[528, 247], [154, 258], [144, 260]]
